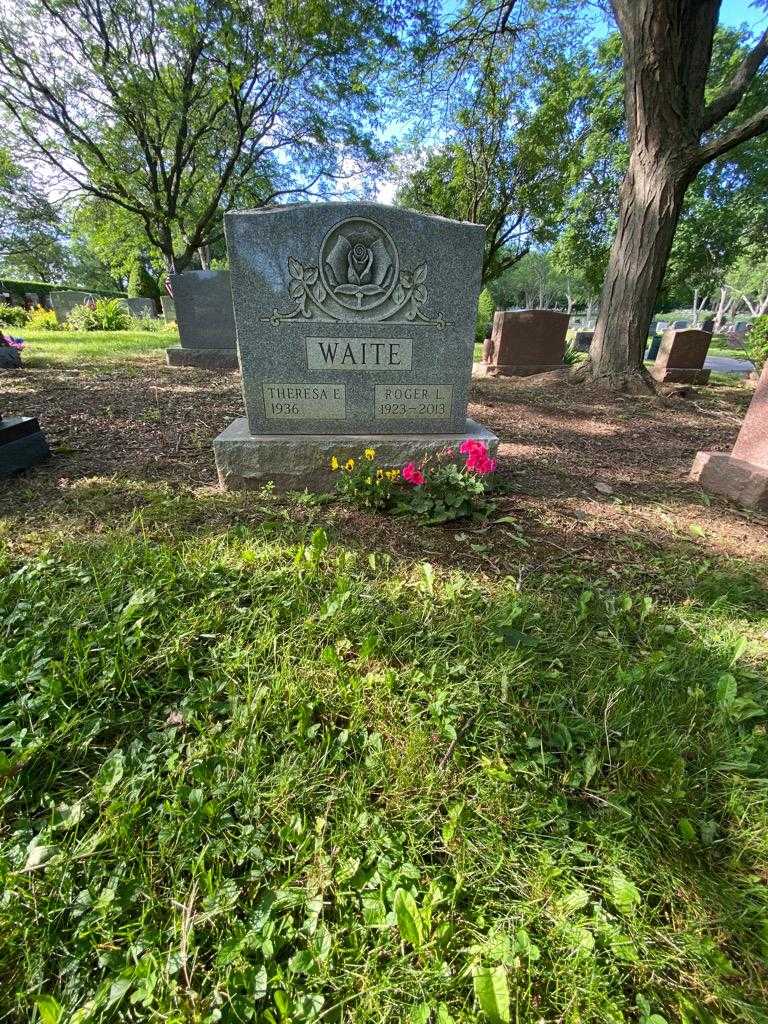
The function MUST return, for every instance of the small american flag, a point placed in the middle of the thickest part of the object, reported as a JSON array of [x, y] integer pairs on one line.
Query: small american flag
[[168, 287]]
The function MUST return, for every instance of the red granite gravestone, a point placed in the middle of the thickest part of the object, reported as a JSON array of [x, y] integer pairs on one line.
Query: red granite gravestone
[[527, 341], [681, 357], [742, 475]]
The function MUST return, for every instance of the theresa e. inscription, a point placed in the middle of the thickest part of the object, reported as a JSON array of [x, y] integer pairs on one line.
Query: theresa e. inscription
[[304, 401], [359, 353]]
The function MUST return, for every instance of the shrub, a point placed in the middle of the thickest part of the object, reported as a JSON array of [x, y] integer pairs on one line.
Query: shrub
[[100, 315], [756, 343], [153, 324], [13, 316], [43, 320], [485, 310]]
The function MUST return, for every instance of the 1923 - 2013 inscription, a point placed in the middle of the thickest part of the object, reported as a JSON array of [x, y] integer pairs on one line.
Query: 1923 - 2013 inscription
[[304, 401], [412, 401]]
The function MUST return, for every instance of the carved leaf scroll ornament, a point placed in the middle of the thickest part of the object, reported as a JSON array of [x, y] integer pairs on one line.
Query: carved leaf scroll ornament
[[359, 276]]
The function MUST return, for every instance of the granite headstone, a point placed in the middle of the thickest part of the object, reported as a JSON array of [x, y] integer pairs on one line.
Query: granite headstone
[[527, 341], [64, 302], [140, 307], [203, 302], [169, 309], [355, 326], [681, 356], [742, 475]]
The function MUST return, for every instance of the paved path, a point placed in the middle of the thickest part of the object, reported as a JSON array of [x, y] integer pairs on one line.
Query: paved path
[[724, 364]]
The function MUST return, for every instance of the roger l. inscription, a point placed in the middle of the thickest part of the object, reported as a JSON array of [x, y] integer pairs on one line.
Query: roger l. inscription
[[359, 353], [304, 401], [412, 401]]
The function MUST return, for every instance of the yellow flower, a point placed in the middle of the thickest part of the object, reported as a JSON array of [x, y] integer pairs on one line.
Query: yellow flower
[[334, 464], [349, 464], [369, 453], [393, 474], [379, 474]]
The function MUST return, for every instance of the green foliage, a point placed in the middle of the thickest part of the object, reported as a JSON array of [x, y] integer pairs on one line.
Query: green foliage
[[40, 319], [756, 342], [364, 481], [13, 316], [449, 492], [101, 315], [140, 282], [485, 310]]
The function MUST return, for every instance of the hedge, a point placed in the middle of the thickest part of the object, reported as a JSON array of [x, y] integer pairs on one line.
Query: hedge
[[41, 287]]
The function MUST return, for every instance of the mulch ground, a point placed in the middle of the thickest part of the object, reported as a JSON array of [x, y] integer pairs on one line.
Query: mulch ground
[[584, 473]]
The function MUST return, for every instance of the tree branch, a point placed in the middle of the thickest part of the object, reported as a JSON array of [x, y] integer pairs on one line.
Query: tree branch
[[724, 143], [733, 94]]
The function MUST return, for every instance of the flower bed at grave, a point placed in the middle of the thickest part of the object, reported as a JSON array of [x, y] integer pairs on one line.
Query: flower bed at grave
[[434, 490]]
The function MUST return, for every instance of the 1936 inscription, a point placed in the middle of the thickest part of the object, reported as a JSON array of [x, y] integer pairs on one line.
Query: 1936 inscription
[[359, 353], [304, 401]]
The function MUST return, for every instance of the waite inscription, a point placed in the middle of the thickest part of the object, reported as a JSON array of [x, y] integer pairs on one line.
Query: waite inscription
[[359, 353]]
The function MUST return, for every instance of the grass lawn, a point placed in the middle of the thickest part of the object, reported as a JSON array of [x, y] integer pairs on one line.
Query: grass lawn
[[266, 758], [45, 348]]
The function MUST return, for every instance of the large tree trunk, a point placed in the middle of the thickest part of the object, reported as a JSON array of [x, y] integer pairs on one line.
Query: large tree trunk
[[650, 204]]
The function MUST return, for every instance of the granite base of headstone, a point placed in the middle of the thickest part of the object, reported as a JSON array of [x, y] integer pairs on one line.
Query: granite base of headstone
[[528, 341], [355, 329], [681, 356], [203, 305], [22, 444], [583, 340], [742, 475]]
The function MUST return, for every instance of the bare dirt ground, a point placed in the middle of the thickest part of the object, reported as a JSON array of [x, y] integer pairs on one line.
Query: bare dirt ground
[[584, 474]]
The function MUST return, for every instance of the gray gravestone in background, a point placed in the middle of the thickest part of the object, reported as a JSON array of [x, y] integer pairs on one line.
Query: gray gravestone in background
[[169, 309], [355, 323], [140, 307], [64, 302], [206, 323]]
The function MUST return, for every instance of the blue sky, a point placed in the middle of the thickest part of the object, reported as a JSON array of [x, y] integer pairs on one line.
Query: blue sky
[[741, 12]]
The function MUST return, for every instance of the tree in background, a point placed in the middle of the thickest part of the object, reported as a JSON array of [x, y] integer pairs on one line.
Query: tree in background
[[166, 111], [141, 284], [513, 136], [32, 237], [679, 119]]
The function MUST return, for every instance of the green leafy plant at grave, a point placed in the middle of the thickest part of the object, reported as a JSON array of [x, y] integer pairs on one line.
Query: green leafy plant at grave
[[436, 490], [13, 316], [100, 315], [364, 482], [485, 310], [151, 324], [756, 343], [572, 355]]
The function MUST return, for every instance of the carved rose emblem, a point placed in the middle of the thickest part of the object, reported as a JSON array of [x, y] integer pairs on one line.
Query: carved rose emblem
[[359, 265]]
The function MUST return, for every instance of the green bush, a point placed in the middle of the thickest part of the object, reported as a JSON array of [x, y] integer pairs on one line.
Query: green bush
[[43, 320], [152, 324], [485, 310], [13, 316], [756, 343], [101, 315]]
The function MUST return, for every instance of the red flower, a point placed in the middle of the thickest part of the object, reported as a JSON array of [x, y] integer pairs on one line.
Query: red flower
[[478, 460], [412, 475]]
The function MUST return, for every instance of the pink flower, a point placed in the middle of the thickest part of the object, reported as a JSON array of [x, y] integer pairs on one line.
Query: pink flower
[[478, 460], [469, 446], [412, 475]]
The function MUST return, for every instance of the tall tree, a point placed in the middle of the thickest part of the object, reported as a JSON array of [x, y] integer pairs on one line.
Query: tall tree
[[675, 127], [32, 237], [508, 162], [166, 111]]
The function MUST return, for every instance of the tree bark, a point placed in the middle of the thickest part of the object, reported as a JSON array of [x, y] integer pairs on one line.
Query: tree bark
[[667, 53], [650, 205]]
